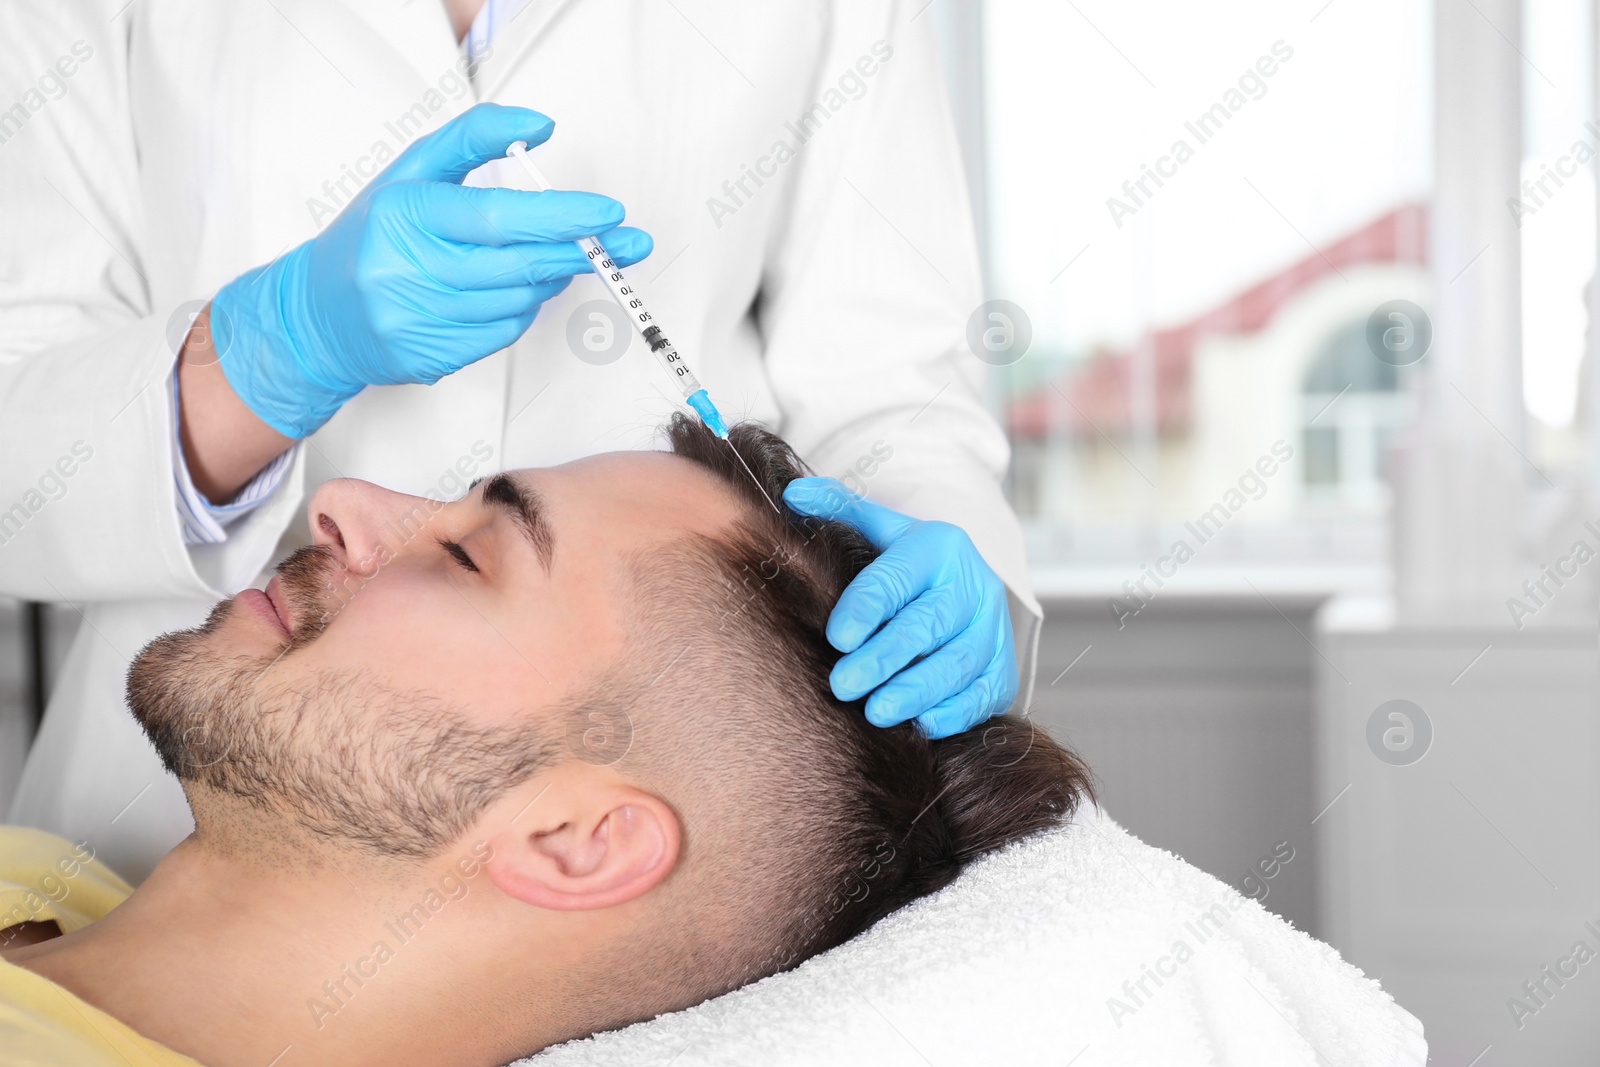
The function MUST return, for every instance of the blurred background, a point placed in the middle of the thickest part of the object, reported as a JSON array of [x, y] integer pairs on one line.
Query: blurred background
[[1291, 332], [1283, 536]]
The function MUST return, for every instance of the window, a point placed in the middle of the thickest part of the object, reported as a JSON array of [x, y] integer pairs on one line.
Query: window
[[1198, 223], [1352, 404]]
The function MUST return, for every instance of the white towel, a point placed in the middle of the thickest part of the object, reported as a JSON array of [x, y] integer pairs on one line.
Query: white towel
[[1023, 960]]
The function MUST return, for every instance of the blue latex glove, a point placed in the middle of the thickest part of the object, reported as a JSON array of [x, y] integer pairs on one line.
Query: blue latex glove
[[417, 277], [928, 594]]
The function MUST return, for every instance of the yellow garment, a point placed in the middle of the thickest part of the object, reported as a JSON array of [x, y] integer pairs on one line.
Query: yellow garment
[[43, 877]]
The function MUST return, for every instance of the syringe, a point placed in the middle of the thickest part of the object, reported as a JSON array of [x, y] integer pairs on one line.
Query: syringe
[[694, 394], [634, 306]]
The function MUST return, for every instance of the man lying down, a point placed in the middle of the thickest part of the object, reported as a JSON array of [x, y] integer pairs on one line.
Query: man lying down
[[569, 759]]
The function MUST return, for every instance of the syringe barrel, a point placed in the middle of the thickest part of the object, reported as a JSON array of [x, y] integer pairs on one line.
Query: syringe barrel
[[629, 300], [633, 304]]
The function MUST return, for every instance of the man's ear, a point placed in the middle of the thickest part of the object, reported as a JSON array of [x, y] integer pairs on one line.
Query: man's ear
[[594, 845]]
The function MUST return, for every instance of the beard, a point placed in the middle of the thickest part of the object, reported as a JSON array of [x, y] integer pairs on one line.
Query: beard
[[337, 753]]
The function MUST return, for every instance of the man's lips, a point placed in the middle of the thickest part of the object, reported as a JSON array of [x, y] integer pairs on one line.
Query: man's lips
[[266, 605], [275, 594]]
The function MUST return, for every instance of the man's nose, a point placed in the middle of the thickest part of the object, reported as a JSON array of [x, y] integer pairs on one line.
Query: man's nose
[[364, 525]]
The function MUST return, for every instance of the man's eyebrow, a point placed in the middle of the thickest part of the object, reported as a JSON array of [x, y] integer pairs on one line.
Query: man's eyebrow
[[526, 509]]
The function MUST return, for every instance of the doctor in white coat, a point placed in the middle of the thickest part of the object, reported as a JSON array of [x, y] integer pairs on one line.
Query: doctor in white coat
[[166, 163]]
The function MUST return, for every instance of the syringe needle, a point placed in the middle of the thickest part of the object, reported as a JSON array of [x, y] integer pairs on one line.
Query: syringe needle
[[752, 475]]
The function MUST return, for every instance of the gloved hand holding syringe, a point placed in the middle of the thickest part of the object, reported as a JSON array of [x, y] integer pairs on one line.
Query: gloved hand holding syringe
[[694, 394]]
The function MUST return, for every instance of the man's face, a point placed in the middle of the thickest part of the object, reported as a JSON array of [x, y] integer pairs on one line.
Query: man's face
[[418, 650]]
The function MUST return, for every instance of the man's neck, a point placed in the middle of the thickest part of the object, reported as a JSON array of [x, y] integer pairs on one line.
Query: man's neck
[[234, 964]]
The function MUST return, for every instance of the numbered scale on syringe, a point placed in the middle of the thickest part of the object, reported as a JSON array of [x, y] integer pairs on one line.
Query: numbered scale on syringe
[[660, 347], [693, 393]]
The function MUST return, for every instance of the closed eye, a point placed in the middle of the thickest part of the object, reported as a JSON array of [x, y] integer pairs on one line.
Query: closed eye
[[459, 554]]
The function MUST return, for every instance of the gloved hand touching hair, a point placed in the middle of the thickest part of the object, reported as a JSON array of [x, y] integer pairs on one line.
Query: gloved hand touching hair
[[416, 278], [925, 626]]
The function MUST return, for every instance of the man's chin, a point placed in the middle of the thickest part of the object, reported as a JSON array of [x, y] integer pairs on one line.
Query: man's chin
[[183, 669]]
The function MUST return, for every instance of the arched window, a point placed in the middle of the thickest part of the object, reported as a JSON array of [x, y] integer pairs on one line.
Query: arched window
[[1351, 404]]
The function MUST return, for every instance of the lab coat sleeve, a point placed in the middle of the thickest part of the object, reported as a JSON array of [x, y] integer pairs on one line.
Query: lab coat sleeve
[[87, 488], [203, 522], [866, 298]]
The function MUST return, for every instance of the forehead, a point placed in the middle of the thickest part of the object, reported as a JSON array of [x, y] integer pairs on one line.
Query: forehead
[[627, 499]]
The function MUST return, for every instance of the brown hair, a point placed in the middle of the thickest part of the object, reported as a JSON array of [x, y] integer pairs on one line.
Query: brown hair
[[840, 822]]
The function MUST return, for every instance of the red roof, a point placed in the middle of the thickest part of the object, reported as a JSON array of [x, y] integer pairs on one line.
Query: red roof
[[1098, 391]]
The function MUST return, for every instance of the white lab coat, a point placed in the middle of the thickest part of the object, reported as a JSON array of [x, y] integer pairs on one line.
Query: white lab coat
[[199, 139]]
